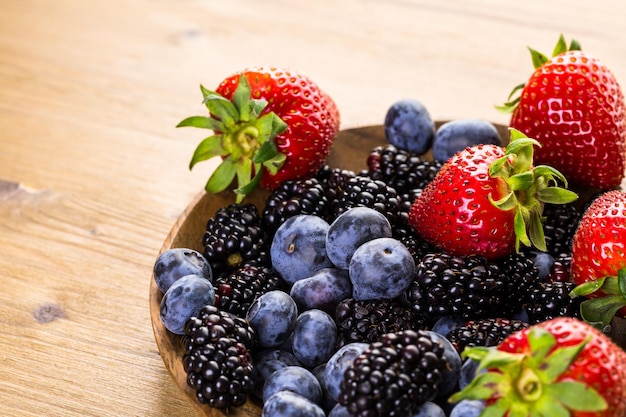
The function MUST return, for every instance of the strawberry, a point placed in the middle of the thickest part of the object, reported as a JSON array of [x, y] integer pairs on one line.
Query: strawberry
[[573, 105], [270, 125], [560, 367], [598, 262], [486, 199]]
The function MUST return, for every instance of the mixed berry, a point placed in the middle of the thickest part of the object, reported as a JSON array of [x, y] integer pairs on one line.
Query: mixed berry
[[470, 281]]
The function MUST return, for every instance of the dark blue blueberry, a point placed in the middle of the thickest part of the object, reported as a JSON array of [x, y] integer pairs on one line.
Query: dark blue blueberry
[[340, 411], [469, 371], [298, 248], [314, 337], [350, 230], [338, 363], [408, 126], [184, 299], [295, 379], [468, 408], [266, 362], [453, 368], [324, 290], [543, 262], [457, 135], [327, 402], [178, 262], [381, 268], [273, 317], [290, 404], [445, 324], [429, 409]]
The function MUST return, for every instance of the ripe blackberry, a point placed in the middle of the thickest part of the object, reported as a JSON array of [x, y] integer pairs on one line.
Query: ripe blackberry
[[484, 332], [304, 196], [234, 237], [521, 275], [361, 191], [394, 376], [417, 246], [560, 270], [400, 169], [217, 357], [368, 321], [561, 221], [467, 287], [236, 291], [548, 300]]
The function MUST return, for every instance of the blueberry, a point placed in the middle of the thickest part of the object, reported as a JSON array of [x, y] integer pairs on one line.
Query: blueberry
[[468, 372], [381, 268], [456, 135], [467, 408], [340, 411], [453, 368], [314, 337], [543, 262], [324, 290], [266, 362], [338, 363], [184, 299], [327, 402], [350, 230], [295, 379], [298, 248], [445, 324], [273, 317], [408, 126], [290, 404], [429, 409], [178, 262]]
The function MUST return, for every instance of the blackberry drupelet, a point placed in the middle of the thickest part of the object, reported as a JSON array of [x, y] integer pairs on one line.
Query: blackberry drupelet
[[218, 357], [361, 191], [484, 332], [234, 237], [400, 169], [560, 270], [466, 287], [394, 376], [367, 321], [521, 275], [304, 196], [561, 221], [550, 299], [235, 292]]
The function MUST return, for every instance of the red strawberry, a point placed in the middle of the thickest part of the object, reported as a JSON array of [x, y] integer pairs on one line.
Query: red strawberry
[[485, 200], [598, 263], [270, 125], [573, 105], [560, 367]]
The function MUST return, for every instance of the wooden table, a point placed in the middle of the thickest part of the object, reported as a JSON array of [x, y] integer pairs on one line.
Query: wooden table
[[93, 172]]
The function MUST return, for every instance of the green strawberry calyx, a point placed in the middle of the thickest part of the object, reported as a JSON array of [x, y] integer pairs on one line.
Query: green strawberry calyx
[[244, 137], [529, 384], [530, 187], [608, 297], [539, 59]]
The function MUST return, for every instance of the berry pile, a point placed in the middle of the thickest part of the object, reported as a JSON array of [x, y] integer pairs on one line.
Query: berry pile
[[386, 292]]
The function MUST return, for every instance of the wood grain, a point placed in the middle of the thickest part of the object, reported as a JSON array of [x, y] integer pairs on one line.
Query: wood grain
[[93, 173]]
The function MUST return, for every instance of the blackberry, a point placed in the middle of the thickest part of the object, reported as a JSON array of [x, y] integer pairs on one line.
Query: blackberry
[[368, 321], [484, 332], [394, 376], [234, 237], [560, 269], [361, 191], [466, 287], [304, 196], [402, 170], [218, 359], [236, 291], [561, 221], [551, 299], [521, 274]]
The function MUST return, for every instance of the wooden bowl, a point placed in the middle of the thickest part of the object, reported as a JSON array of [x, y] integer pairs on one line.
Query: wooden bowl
[[349, 151]]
